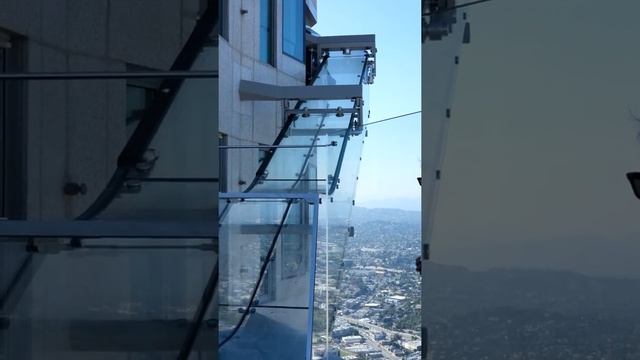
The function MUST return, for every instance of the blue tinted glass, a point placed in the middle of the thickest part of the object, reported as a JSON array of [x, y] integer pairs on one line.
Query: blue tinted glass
[[265, 31], [293, 28]]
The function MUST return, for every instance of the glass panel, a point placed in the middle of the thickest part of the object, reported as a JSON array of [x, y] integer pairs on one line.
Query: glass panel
[[438, 72], [438, 77], [293, 28], [178, 177], [269, 333], [186, 142], [109, 298], [164, 200], [267, 262], [305, 168], [266, 31], [123, 298], [342, 69], [303, 162], [138, 100]]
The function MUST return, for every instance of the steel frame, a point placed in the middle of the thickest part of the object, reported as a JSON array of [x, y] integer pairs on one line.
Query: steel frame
[[98, 75]]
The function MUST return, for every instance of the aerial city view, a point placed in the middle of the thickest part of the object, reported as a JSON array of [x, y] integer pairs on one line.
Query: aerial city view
[[490, 314]]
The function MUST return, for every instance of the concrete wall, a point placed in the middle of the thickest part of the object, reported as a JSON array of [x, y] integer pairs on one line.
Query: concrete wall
[[76, 129], [250, 122]]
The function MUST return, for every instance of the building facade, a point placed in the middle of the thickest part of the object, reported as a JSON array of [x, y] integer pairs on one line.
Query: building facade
[[292, 110]]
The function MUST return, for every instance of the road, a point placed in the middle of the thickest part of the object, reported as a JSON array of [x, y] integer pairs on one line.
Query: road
[[403, 336]]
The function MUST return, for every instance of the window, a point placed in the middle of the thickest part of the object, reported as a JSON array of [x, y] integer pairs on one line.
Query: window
[[12, 131], [223, 140], [295, 250], [223, 11], [2, 134], [139, 98], [266, 31], [293, 28], [263, 153]]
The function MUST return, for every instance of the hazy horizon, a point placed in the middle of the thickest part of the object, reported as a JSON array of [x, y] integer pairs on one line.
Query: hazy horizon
[[437, 259]]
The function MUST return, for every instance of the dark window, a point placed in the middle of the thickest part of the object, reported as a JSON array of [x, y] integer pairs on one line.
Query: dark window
[[223, 140], [12, 132], [2, 132], [266, 31], [223, 9], [262, 153], [293, 28], [139, 99]]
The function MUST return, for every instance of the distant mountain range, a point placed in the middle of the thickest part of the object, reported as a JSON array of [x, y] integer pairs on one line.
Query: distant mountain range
[[362, 215], [411, 204], [457, 290], [508, 313]]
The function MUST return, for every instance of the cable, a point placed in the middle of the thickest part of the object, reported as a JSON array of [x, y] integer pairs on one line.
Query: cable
[[391, 118], [205, 301], [263, 270]]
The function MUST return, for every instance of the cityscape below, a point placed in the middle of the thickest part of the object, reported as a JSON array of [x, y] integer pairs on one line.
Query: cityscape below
[[491, 314]]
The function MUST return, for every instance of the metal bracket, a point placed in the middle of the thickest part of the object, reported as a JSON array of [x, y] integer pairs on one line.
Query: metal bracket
[[251, 90], [26, 229], [343, 43], [305, 112], [333, 143], [103, 75]]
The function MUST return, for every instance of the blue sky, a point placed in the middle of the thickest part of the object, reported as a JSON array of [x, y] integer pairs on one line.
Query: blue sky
[[391, 156]]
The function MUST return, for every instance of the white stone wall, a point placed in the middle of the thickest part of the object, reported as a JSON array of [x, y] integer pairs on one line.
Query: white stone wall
[[250, 122]]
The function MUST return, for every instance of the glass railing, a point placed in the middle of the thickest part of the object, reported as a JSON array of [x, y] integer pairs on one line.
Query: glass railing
[[267, 266], [108, 299], [300, 168], [439, 69], [444, 33], [317, 152], [334, 231]]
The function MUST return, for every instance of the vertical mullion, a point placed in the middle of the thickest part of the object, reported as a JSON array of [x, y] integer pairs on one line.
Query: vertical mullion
[[266, 29], [272, 32], [3, 141]]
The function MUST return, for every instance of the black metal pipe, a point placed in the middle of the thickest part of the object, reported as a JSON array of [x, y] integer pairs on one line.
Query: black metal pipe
[[99, 75], [203, 306], [263, 270]]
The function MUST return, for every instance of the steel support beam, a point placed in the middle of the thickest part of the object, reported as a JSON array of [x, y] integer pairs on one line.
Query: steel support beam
[[350, 42], [333, 143], [97, 75], [251, 90], [108, 229]]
